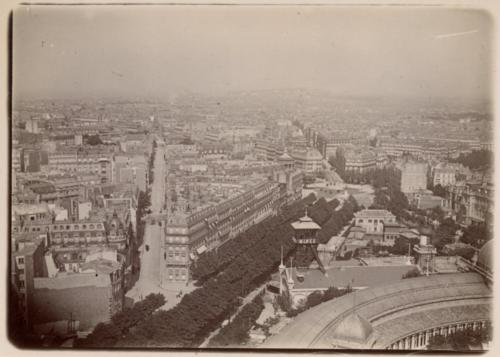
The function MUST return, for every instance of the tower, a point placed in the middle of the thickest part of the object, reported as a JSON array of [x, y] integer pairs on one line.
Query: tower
[[425, 255], [281, 270], [286, 160], [306, 242]]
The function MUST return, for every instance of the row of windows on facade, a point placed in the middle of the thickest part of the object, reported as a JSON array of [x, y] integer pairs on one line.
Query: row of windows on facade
[[37, 216], [98, 226], [176, 272], [177, 255], [76, 164], [98, 237], [375, 220], [237, 227], [77, 226], [80, 169], [236, 202]]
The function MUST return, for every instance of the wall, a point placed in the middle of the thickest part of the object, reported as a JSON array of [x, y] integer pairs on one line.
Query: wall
[[87, 304]]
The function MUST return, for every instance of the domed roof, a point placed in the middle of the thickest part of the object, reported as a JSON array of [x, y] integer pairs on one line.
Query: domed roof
[[305, 222], [354, 328], [285, 156], [485, 256]]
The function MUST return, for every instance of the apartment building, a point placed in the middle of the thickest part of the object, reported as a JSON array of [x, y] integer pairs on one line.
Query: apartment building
[[309, 160], [413, 176], [188, 235], [444, 176], [27, 263]]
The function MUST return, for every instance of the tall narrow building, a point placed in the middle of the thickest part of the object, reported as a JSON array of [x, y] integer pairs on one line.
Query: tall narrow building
[[306, 241]]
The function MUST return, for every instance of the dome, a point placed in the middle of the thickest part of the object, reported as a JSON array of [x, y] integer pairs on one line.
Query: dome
[[485, 256], [354, 328]]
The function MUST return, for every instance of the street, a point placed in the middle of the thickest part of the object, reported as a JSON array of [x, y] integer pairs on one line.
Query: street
[[150, 250]]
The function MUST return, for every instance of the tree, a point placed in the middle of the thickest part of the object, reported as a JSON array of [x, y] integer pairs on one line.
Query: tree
[[313, 299], [402, 246], [130, 233], [466, 252], [439, 190], [236, 332], [461, 340], [477, 159], [238, 267], [436, 213], [476, 235], [438, 342], [332, 292], [108, 334], [445, 233], [94, 140]]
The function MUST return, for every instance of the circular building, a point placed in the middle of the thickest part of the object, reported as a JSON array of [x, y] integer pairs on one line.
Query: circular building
[[402, 315]]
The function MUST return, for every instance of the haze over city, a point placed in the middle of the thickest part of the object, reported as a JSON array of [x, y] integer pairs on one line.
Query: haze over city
[[160, 51], [251, 177]]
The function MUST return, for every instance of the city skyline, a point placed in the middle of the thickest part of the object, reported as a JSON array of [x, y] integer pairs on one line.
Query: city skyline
[[116, 51], [251, 177]]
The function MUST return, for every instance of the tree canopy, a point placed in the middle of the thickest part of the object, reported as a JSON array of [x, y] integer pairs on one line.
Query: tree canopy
[[93, 140], [477, 159], [463, 340], [237, 268]]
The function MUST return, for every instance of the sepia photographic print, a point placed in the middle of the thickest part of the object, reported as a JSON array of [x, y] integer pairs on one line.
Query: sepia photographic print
[[239, 177]]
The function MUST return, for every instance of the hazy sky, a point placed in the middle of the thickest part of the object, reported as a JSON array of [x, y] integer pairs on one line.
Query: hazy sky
[[132, 51]]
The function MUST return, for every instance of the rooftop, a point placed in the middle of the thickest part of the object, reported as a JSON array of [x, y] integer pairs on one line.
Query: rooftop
[[353, 328], [23, 209], [373, 213], [72, 280], [421, 320], [305, 222], [356, 276], [29, 248], [101, 266], [310, 154], [390, 305]]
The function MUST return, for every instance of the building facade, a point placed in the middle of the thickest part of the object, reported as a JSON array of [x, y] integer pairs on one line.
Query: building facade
[[373, 220], [187, 236], [309, 161], [413, 176]]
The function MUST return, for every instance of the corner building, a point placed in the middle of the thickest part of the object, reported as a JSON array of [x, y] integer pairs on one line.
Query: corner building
[[189, 235]]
